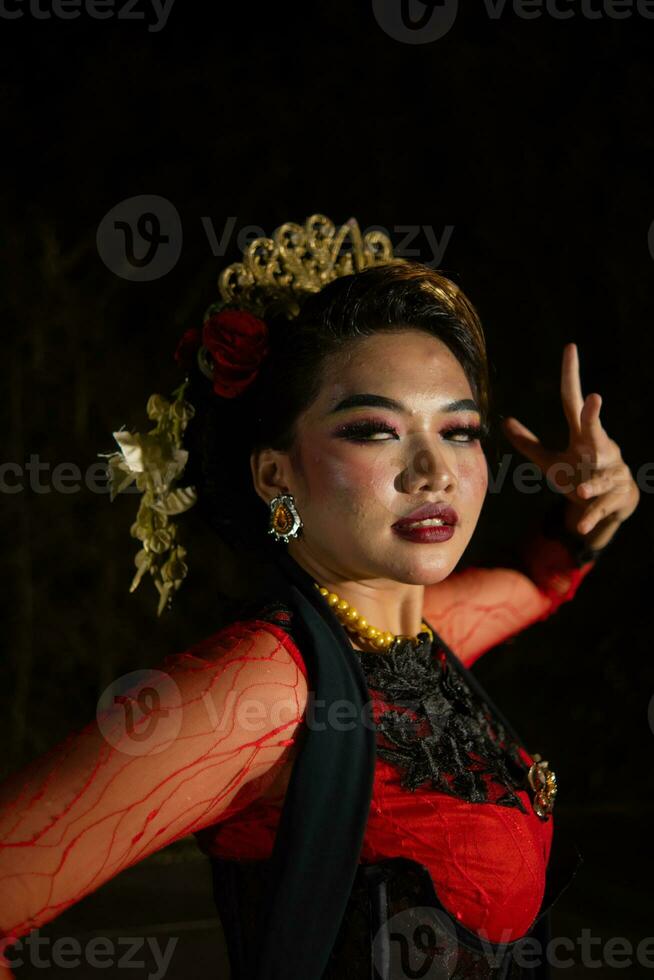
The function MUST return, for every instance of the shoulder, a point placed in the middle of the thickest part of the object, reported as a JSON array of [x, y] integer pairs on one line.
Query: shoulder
[[245, 682], [258, 631]]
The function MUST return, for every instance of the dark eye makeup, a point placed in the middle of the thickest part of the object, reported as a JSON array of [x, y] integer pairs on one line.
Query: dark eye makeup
[[362, 429]]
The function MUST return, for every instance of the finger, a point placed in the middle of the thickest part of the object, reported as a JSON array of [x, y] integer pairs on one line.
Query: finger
[[592, 431], [571, 394], [526, 441], [606, 506], [614, 479]]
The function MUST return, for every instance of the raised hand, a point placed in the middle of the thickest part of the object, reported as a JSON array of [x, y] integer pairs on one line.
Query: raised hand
[[599, 487]]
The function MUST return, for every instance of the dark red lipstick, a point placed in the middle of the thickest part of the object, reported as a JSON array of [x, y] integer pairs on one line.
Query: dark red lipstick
[[427, 533]]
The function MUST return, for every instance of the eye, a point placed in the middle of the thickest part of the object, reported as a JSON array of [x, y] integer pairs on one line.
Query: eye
[[363, 430], [471, 433]]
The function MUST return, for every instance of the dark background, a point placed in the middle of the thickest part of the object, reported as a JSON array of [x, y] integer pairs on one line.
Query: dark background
[[532, 139]]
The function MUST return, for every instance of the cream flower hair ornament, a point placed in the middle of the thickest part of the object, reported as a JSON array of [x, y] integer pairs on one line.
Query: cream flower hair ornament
[[155, 462], [274, 278]]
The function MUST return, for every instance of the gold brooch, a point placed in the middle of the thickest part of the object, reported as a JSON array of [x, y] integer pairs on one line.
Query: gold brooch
[[543, 782]]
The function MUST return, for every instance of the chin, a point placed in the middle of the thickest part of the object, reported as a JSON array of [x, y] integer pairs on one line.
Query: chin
[[425, 572]]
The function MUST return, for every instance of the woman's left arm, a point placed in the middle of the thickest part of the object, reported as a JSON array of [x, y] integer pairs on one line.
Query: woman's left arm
[[478, 608]]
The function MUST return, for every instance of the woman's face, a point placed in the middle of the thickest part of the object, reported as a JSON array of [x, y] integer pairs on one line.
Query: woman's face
[[354, 471]]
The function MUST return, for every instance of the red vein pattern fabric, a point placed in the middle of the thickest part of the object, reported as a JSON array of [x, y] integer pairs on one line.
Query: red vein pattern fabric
[[115, 792], [212, 752]]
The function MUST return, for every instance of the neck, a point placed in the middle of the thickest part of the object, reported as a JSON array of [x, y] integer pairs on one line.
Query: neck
[[396, 607]]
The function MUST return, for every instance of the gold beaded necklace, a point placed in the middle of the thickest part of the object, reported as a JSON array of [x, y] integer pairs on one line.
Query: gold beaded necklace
[[364, 633]]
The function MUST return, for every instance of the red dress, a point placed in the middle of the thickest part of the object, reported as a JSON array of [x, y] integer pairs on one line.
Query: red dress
[[184, 761], [487, 862]]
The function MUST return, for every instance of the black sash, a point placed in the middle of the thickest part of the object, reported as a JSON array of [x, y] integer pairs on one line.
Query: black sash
[[323, 820]]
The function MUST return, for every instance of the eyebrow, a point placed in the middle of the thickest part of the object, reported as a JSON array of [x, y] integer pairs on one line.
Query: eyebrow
[[381, 401]]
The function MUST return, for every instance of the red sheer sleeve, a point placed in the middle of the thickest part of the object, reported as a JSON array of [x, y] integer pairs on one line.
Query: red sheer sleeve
[[478, 608], [163, 760]]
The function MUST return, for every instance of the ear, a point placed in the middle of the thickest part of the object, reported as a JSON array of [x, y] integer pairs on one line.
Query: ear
[[271, 475]]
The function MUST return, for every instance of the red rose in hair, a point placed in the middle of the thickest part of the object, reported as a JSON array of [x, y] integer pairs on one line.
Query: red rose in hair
[[237, 342]]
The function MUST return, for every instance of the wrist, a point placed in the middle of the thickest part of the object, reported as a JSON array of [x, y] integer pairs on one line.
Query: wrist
[[559, 522]]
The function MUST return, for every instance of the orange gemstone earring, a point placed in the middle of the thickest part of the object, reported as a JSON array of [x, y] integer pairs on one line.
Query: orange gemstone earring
[[285, 522]]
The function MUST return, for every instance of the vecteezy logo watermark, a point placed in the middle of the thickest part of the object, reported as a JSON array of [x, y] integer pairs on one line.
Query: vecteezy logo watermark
[[423, 21], [417, 942], [140, 713], [415, 21], [95, 9], [140, 239], [422, 942]]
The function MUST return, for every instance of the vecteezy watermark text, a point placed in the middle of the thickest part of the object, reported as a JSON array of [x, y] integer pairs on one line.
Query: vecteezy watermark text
[[59, 478], [42, 477], [421, 941], [140, 238], [138, 10], [98, 952], [409, 246], [424, 21]]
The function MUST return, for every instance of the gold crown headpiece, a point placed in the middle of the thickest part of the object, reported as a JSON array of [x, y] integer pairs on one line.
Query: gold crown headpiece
[[274, 277], [277, 273]]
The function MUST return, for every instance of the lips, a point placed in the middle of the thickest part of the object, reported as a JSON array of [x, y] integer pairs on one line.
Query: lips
[[442, 511]]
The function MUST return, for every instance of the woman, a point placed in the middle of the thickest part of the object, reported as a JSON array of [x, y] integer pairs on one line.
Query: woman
[[358, 793]]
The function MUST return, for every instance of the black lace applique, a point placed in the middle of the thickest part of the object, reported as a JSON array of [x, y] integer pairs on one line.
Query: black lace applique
[[446, 733]]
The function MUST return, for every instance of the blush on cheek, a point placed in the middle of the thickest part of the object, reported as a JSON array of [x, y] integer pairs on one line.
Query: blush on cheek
[[330, 472], [472, 485], [474, 474]]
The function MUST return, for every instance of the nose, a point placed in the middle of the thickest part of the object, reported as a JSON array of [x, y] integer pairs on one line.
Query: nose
[[427, 470]]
